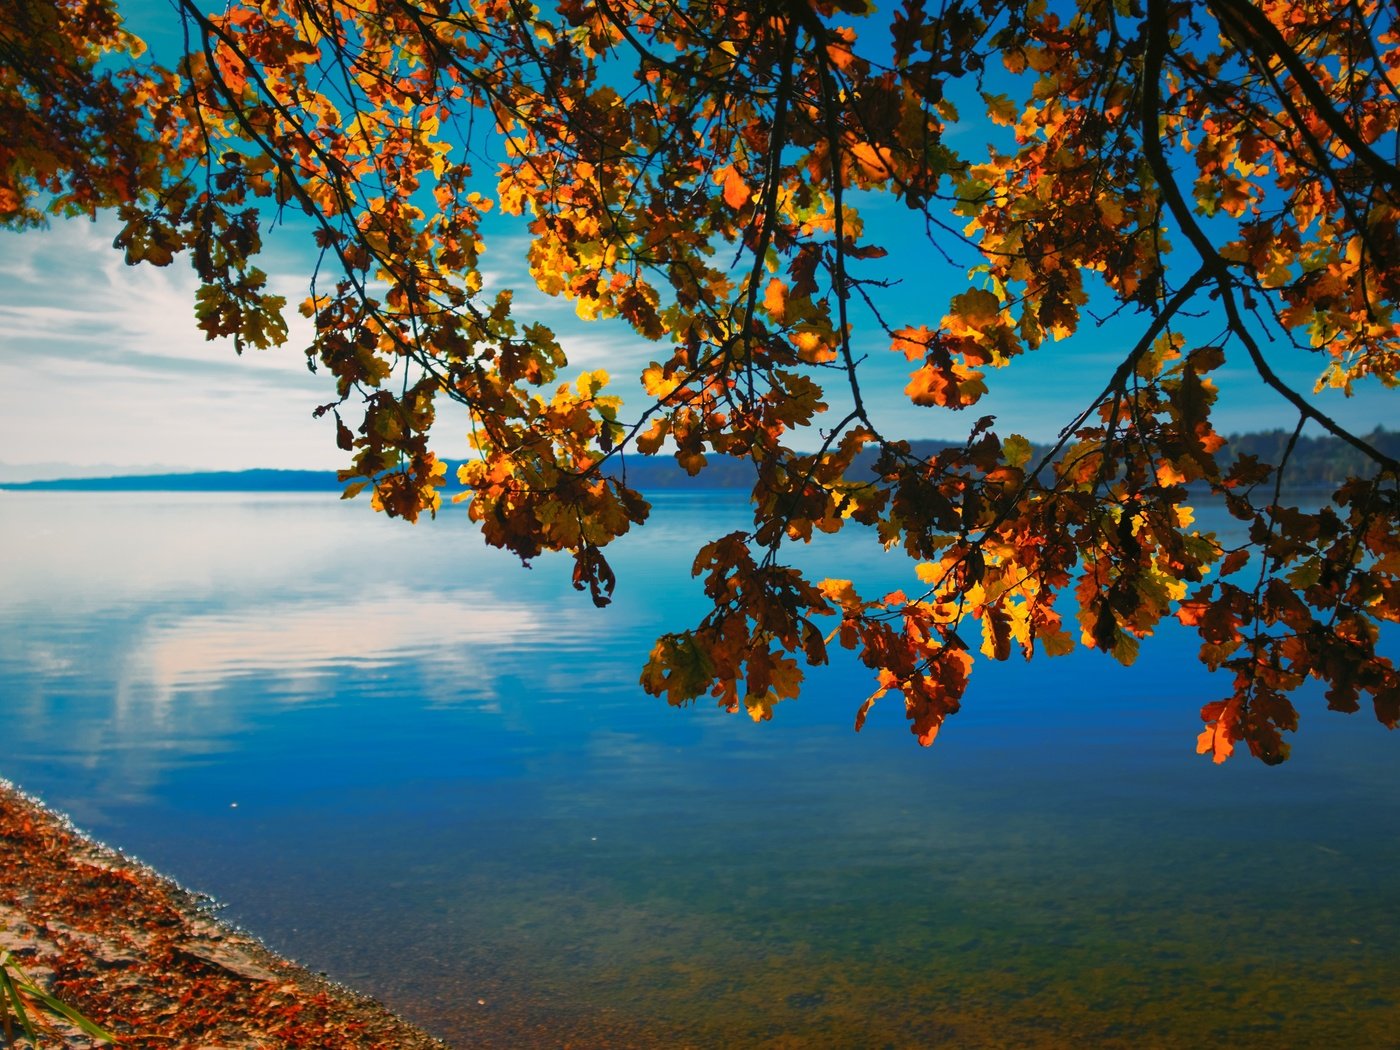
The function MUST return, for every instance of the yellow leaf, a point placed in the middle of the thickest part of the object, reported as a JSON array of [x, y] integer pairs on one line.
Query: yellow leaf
[[842, 592], [760, 708], [976, 307], [591, 382], [657, 383], [1000, 108], [813, 345]]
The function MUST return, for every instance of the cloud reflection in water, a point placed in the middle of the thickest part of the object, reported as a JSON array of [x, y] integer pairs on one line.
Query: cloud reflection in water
[[298, 645]]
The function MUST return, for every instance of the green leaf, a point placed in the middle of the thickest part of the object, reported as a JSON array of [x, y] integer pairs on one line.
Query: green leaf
[[1016, 450], [16, 1005], [972, 197], [59, 1007], [679, 668], [16, 987]]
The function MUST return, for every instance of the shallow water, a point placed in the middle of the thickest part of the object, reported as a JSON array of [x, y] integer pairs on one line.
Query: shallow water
[[403, 760]]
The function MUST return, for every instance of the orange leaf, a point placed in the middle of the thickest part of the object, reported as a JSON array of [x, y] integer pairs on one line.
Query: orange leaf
[[931, 385], [913, 343], [775, 299], [736, 190]]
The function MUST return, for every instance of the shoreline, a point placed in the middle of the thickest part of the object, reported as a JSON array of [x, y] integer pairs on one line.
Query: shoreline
[[148, 960]]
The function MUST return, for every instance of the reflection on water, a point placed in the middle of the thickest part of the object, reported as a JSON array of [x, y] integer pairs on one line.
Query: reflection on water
[[451, 792], [297, 645]]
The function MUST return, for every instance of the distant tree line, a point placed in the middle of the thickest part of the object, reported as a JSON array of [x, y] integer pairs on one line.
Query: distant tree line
[[1314, 462]]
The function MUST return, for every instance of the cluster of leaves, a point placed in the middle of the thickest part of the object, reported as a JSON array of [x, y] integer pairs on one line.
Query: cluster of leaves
[[693, 169], [84, 130]]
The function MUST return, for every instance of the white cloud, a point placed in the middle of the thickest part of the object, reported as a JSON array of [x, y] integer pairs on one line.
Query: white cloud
[[102, 362]]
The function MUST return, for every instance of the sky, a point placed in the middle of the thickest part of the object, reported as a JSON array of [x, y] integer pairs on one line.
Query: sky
[[105, 372]]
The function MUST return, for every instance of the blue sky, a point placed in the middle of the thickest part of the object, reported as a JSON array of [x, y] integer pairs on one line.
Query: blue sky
[[105, 372]]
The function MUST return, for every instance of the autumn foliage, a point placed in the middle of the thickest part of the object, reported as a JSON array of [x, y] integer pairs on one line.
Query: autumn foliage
[[696, 169], [148, 959]]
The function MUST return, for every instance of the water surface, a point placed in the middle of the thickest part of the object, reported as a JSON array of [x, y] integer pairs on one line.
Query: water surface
[[405, 761]]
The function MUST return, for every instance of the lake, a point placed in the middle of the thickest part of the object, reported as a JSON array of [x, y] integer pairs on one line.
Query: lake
[[403, 760]]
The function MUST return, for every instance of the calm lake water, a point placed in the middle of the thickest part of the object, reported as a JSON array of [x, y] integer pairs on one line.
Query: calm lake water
[[403, 760]]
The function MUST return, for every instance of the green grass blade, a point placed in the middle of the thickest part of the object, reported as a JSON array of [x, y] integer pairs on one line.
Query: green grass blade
[[15, 986], [59, 1007], [7, 986], [5, 1025]]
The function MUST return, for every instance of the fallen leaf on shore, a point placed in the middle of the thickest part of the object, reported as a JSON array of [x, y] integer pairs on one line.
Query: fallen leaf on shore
[[143, 957]]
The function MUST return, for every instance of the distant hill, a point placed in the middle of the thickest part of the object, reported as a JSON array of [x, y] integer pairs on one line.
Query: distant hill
[[201, 481], [643, 473], [1315, 462]]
